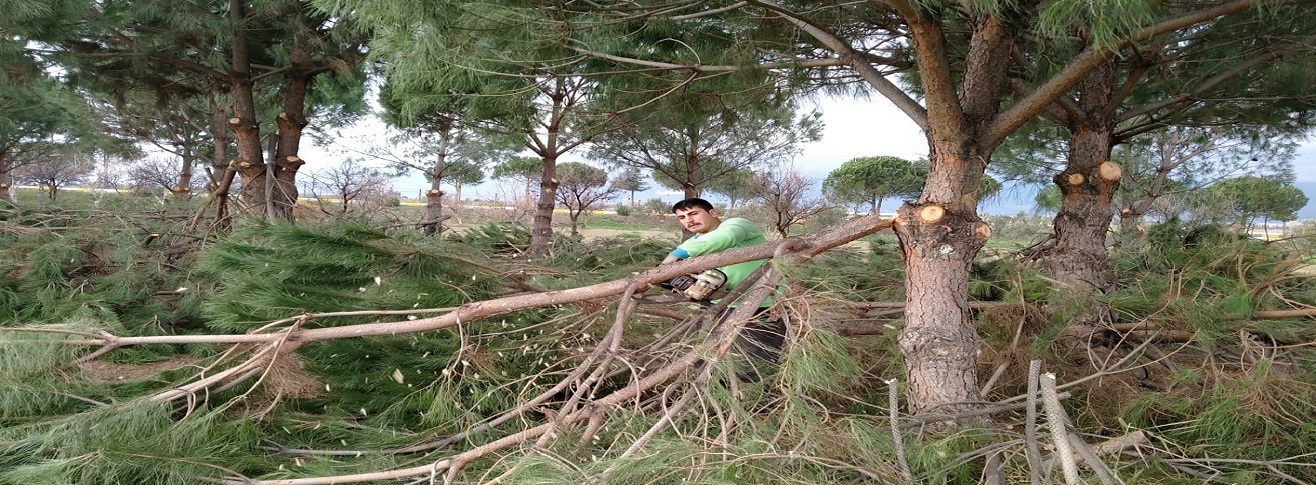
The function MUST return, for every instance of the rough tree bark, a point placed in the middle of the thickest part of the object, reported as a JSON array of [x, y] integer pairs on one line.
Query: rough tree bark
[[269, 188], [541, 235], [941, 233], [1079, 257], [434, 196], [549, 149], [291, 123], [250, 163]]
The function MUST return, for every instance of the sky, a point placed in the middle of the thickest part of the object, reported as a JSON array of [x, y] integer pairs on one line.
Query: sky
[[857, 128]]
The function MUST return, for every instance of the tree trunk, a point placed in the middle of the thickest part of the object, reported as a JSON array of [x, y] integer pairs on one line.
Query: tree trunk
[[219, 147], [940, 234], [1130, 236], [6, 181], [1079, 258], [250, 164], [292, 122], [184, 188], [939, 238], [434, 196], [541, 230]]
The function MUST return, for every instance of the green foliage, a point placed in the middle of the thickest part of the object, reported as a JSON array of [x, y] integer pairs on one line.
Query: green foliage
[[1016, 231], [698, 142], [1207, 280], [658, 207], [93, 261], [1049, 198], [135, 443], [825, 402], [942, 459], [820, 365], [1005, 279], [498, 239], [437, 125], [38, 115], [581, 187], [868, 270], [28, 388], [869, 180], [524, 170], [632, 180], [1251, 197], [1262, 413], [736, 185], [269, 271], [605, 259], [829, 217], [1303, 239]]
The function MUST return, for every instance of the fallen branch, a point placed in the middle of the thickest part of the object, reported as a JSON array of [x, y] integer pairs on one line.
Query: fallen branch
[[1058, 424], [717, 344], [801, 248]]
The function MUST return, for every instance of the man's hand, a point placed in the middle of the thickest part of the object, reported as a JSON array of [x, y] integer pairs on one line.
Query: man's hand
[[680, 283]]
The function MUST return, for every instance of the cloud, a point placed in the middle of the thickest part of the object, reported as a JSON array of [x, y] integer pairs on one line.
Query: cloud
[[1304, 162], [854, 127]]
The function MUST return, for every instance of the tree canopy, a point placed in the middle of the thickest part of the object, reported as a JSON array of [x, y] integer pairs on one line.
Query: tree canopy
[[1251, 197], [694, 147], [869, 180]]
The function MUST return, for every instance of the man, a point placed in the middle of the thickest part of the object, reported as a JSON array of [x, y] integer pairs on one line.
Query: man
[[762, 338]]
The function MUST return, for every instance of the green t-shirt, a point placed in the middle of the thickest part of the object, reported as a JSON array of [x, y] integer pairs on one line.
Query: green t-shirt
[[736, 232]]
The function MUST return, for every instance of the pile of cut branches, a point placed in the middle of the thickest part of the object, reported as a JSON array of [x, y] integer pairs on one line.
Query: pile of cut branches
[[343, 354]]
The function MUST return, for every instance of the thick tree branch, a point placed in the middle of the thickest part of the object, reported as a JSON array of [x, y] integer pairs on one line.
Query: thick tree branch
[[847, 54], [804, 247], [1092, 58], [1248, 62]]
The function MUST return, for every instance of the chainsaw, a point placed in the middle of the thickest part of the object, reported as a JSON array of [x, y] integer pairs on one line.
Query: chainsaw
[[700, 287]]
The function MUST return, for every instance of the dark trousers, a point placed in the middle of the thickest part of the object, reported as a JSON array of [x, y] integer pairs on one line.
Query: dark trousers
[[760, 343]]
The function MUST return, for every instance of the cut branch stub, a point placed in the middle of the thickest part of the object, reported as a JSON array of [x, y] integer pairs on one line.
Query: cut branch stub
[[235, 121], [931, 214], [983, 231], [1109, 171], [433, 192], [1074, 179]]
